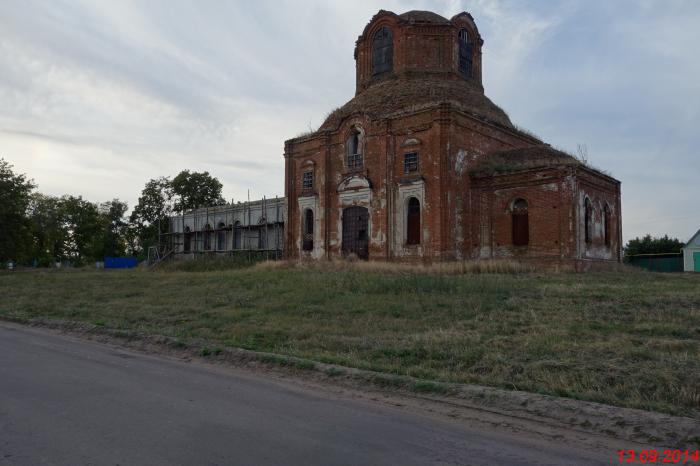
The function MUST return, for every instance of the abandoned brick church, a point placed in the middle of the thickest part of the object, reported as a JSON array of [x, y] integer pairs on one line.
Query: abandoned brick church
[[421, 165]]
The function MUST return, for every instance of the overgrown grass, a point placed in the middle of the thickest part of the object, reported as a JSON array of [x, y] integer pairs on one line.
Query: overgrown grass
[[213, 263], [626, 338]]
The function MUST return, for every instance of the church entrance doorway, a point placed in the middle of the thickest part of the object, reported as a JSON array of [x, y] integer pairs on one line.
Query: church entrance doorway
[[355, 232]]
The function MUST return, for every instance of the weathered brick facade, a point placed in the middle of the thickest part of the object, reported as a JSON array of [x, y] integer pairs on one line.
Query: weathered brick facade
[[421, 165]]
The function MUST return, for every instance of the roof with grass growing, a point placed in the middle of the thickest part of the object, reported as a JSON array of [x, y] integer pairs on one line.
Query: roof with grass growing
[[524, 158], [397, 95]]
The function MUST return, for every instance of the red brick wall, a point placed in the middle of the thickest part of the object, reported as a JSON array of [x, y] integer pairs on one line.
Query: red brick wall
[[555, 208], [417, 47], [601, 192], [549, 197], [461, 216]]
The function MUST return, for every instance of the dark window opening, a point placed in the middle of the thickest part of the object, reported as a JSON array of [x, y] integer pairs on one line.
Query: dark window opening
[[466, 54], [410, 162], [606, 220], [262, 233], [382, 51], [308, 238], [587, 223], [187, 246], [521, 223], [413, 222], [221, 237], [355, 160], [307, 181], [237, 235], [207, 237], [262, 243]]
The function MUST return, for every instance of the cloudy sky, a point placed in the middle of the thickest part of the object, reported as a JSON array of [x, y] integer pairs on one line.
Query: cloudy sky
[[97, 97]]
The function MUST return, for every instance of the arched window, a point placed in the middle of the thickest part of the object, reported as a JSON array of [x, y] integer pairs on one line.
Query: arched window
[[262, 233], [382, 51], [221, 237], [207, 237], [465, 53], [237, 235], [606, 224], [355, 160], [587, 220], [187, 240], [413, 221], [521, 223], [307, 180], [308, 238]]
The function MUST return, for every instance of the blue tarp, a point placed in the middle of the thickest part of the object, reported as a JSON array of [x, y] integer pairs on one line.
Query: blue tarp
[[120, 262]]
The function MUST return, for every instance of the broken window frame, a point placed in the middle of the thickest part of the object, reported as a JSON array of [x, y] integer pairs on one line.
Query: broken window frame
[[355, 158], [307, 180], [466, 54], [382, 51], [411, 162]]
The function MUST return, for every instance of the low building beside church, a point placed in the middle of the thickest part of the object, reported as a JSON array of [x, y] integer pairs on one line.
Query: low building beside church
[[229, 229]]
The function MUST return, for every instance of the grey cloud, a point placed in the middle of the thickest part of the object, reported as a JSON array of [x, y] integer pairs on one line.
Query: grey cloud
[[90, 91]]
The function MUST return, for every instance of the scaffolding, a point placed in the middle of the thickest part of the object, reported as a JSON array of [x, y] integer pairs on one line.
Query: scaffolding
[[252, 229]]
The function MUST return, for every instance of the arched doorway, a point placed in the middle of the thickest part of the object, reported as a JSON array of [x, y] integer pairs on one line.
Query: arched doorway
[[521, 223], [221, 237], [356, 232], [413, 222], [237, 235], [187, 242], [308, 236], [207, 237]]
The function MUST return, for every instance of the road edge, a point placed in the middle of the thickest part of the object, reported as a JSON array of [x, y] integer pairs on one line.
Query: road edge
[[633, 425]]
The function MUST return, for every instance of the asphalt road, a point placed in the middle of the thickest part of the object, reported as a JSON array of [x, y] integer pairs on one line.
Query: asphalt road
[[70, 402]]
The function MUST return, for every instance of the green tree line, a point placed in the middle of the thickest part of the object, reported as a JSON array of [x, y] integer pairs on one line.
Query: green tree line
[[651, 245], [38, 229]]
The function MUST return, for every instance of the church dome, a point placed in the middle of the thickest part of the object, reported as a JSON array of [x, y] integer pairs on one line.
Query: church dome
[[416, 60], [419, 16]]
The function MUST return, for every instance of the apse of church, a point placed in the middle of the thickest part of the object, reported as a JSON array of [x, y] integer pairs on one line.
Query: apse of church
[[421, 165]]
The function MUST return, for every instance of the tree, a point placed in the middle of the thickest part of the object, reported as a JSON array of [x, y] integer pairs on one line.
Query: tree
[[114, 238], [153, 208], [162, 197], [652, 245], [81, 220], [49, 235], [195, 190], [15, 235]]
